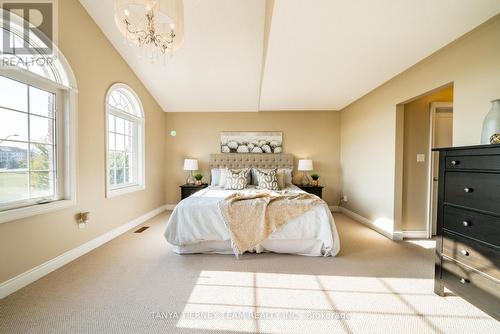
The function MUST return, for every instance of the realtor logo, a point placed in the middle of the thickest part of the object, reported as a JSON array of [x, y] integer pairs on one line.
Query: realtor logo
[[37, 24]]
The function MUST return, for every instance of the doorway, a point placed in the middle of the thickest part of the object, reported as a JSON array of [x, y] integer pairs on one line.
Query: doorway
[[422, 123], [441, 116]]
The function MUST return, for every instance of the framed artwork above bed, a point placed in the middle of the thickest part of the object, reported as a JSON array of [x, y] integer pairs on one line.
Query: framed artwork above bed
[[251, 142]]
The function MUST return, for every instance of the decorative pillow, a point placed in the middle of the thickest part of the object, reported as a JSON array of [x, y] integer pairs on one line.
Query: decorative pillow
[[237, 179], [268, 179], [221, 177], [284, 176]]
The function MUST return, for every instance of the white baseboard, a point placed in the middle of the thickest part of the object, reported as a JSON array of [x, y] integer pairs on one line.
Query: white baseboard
[[21, 280], [170, 207], [370, 224], [414, 234], [334, 208], [397, 235]]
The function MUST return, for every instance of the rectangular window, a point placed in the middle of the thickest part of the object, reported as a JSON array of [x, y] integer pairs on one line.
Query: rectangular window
[[28, 145]]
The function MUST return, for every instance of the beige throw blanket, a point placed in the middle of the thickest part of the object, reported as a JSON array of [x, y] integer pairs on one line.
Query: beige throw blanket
[[252, 217]]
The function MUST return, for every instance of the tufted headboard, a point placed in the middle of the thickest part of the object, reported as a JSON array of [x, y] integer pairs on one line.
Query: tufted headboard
[[235, 160]]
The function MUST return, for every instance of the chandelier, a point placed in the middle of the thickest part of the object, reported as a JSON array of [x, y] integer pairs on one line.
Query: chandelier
[[156, 25]]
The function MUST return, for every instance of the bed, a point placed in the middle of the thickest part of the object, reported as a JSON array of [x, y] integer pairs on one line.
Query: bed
[[197, 226]]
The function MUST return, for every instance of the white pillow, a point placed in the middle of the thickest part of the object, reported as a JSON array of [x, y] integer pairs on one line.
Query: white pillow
[[255, 177], [222, 177], [215, 172], [287, 174], [280, 177]]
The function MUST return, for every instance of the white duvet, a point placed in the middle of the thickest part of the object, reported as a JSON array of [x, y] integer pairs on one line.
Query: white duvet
[[196, 226]]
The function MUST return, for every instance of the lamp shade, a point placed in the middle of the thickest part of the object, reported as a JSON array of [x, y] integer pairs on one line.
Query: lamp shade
[[305, 165], [190, 164]]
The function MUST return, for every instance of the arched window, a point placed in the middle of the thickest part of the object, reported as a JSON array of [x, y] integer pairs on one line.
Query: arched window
[[125, 141], [38, 97], [35, 59]]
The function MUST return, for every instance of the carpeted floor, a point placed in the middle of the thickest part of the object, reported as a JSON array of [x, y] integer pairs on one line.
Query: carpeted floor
[[135, 284]]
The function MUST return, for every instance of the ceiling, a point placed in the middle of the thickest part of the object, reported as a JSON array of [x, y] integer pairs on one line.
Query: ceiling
[[253, 55]]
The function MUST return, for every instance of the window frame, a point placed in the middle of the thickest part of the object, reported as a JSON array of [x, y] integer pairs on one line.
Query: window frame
[[59, 152], [139, 142], [65, 143]]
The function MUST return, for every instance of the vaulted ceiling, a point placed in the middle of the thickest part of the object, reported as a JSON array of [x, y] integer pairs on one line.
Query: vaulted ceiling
[[253, 55]]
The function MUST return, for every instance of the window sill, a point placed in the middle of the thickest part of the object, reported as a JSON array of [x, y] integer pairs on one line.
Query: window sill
[[14, 214], [125, 190]]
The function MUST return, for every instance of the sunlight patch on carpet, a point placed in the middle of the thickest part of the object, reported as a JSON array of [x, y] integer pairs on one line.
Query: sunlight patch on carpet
[[286, 303], [427, 244]]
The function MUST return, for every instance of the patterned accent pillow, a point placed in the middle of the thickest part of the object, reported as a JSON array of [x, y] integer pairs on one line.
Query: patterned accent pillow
[[268, 179], [237, 179], [284, 176]]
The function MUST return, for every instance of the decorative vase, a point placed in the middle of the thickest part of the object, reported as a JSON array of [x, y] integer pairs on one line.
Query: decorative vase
[[198, 182], [491, 124], [315, 183], [495, 139]]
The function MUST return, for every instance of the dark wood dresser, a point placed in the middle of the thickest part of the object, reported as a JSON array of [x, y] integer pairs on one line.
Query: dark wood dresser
[[468, 225]]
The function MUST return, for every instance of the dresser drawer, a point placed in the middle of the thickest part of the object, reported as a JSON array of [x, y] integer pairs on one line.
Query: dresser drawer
[[472, 224], [484, 162], [474, 190], [479, 256], [472, 286]]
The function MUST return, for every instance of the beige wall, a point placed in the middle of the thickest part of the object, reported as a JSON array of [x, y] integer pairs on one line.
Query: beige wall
[[368, 126], [416, 174], [313, 134], [27, 243]]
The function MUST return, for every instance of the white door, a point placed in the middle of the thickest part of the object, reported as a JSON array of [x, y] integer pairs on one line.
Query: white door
[[442, 137]]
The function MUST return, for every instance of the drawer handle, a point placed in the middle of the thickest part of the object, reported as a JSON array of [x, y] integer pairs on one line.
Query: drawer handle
[[466, 223], [468, 190], [464, 280], [464, 252], [455, 162]]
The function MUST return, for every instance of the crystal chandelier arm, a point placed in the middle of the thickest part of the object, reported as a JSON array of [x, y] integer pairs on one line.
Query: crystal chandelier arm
[[148, 32], [136, 31], [163, 40], [164, 45]]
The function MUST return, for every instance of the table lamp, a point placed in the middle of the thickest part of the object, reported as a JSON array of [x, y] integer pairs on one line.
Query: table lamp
[[305, 165], [190, 165]]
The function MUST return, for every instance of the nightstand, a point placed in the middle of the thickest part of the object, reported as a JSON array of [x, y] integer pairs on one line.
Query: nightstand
[[315, 190], [189, 189]]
